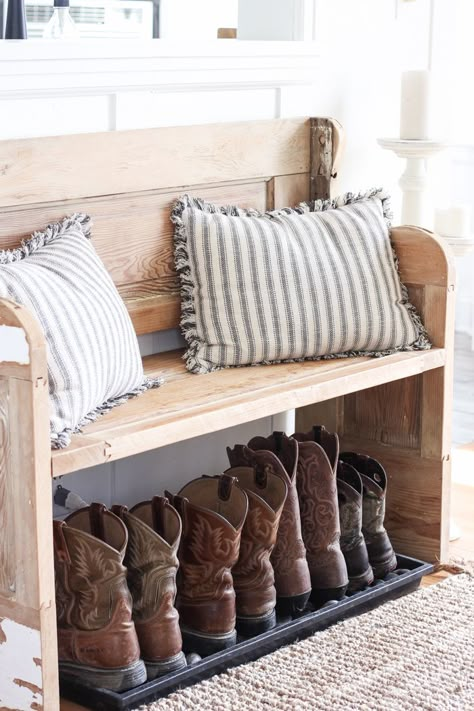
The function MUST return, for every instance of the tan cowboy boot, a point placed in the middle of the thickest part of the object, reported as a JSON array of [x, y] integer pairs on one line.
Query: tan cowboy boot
[[354, 549], [96, 636], [154, 533], [278, 454], [213, 511], [253, 573], [316, 482], [374, 480]]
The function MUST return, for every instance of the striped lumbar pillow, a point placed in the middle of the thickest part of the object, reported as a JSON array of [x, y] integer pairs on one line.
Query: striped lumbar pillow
[[316, 281], [93, 357]]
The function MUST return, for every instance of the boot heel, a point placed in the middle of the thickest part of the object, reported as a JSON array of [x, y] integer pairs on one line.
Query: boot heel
[[119, 679], [156, 669], [292, 606], [319, 597], [206, 644], [252, 626]]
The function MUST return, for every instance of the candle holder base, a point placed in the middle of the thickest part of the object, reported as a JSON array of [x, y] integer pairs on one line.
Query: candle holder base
[[413, 182]]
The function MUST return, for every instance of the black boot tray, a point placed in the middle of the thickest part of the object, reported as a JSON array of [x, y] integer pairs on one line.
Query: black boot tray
[[405, 579]]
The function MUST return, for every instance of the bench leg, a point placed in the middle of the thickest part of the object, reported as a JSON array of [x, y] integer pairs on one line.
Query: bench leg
[[28, 651]]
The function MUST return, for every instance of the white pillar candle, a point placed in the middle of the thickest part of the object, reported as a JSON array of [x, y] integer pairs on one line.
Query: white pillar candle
[[453, 221], [415, 105]]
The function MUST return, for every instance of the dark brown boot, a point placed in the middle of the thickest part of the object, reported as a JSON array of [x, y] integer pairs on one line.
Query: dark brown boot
[[213, 512], [317, 491], [374, 480], [253, 573], [96, 636], [154, 533], [349, 490], [279, 454]]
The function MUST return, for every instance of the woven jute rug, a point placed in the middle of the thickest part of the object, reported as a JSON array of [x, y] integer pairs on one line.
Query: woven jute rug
[[413, 653]]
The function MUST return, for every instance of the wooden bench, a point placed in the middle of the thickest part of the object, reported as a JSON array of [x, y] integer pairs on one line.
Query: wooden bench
[[397, 407]]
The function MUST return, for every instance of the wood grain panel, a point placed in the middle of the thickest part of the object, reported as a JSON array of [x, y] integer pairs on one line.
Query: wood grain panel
[[133, 234], [423, 257], [71, 167], [414, 495], [389, 414], [7, 523]]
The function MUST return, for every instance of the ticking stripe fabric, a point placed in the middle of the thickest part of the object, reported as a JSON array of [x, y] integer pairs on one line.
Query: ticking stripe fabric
[[93, 357], [316, 281]]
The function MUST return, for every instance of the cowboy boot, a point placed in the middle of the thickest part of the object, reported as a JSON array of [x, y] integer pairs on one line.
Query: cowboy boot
[[279, 454], [317, 491], [253, 573], [97, 640], [213, 512], [349, 491], [154, 532], [374, 481]]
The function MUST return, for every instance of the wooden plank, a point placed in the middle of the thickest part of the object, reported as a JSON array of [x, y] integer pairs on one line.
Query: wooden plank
[[321, 158], [423, 257], [26, 513], [132, 234], [154, 313], [290, 190], [59, 168], [415, 486], [7, 522], [389, 414], [190, 405], [329, 413]]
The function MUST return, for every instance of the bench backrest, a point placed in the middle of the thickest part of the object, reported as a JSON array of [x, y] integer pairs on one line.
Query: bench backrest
[[128, 180]]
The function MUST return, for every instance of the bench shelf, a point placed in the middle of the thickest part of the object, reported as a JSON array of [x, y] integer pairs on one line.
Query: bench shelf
[[189, 405], [397, 407]]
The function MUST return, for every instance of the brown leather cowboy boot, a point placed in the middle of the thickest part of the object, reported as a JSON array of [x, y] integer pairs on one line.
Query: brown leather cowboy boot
[[154, 533], [349, 491], [253, 573], [374, 480], [278, 454], [96, 636], [317, 491], [213, 512]]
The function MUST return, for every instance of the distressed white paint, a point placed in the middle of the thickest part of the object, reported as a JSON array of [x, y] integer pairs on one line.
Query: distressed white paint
[[18, 652], [13, 345]]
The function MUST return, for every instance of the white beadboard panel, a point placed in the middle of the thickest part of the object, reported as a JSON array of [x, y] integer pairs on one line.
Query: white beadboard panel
[[298, 101], [138, 478], [27, 118], [42, 68], [152, 108]]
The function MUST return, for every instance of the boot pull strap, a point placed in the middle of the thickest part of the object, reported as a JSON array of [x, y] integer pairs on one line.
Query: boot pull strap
[[119, 510], [158, 506], [317, 433], [225, 486], [278, 438], [260, 474], [96, 518], [60, 545]]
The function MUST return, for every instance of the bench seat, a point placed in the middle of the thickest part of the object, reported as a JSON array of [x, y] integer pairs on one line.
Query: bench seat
[[189, 405]]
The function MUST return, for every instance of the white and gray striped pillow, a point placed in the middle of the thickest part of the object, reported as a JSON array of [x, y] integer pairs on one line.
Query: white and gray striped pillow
[[316, 281], [93, 358]]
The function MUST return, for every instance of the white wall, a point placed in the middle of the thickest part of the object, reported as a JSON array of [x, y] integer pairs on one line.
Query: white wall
[[352, 74]]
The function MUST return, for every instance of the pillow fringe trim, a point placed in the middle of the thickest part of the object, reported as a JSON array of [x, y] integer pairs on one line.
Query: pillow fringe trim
[[188, 321], [51, 233], [61, 440]]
